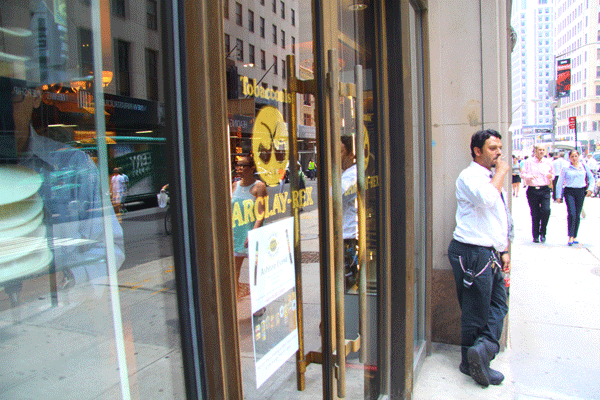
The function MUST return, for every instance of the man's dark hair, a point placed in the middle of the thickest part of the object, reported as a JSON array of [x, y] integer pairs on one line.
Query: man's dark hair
[[478, 139], [348, 141]]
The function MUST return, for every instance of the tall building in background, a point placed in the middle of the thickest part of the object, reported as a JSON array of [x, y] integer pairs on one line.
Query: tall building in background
[[532, 74], [577, 33]]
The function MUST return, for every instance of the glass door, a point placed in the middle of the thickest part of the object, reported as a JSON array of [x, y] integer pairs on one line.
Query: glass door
[[305, 199]]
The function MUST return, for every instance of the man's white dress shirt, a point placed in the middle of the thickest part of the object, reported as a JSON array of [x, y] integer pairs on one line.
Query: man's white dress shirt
[[481, 216]]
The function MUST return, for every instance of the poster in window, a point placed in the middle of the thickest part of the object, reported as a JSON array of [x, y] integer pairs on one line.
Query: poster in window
[[273, 296], [563, 78]]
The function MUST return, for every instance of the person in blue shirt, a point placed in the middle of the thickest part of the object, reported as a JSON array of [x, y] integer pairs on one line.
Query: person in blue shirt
[[572, 183], [69, 198]]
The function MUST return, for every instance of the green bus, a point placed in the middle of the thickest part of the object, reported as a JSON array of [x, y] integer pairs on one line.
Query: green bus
[[141, 158]]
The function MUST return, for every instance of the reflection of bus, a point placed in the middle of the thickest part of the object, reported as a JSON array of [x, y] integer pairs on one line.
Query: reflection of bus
[[141, 159]]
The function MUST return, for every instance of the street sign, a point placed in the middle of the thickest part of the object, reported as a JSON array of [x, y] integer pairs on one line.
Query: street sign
[[572, 122]]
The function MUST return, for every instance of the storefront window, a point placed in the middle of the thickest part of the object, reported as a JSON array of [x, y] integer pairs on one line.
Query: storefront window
[[87, 294]]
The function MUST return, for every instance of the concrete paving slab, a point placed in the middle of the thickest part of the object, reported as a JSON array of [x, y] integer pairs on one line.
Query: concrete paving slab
[[55, 355], [554, 319], [161, 379], [557, 360], [86, 372]]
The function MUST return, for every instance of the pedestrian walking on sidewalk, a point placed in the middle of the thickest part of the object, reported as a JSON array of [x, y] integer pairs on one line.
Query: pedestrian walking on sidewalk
[[478, 252], [576, 182], [558, 163], [516, 176], [312, 170], [538, 174], [248, 209]]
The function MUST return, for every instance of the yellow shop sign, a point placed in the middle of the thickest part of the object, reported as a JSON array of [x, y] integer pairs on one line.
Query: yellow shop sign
[[249, 88]]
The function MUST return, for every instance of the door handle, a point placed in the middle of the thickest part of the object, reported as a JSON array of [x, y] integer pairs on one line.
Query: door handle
[[362, 217], [337, 213]]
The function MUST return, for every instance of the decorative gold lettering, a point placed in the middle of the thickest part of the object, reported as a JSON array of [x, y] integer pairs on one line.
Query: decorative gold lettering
[[309, 200], [244, 80], [250, 88], [267, 212], [248, 211], [236, 215], [302, 197], [372, 181], [276, 205], [283, 200], [350, 190], [257, 212]]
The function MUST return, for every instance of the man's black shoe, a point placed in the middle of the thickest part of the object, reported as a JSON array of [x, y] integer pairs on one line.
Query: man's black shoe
[[536, 240], [496, 377], [543, 238], [479, 364]]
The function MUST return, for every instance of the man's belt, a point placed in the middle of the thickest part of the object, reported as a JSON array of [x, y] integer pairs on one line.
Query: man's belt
[[539, 187]]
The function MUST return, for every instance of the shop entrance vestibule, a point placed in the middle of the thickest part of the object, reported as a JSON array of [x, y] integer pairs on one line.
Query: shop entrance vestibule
[[294, 98], [289, 269]]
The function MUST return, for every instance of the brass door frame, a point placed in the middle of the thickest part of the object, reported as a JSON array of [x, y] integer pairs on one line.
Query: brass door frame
[[204, 121], [400, 255], [202, 187]]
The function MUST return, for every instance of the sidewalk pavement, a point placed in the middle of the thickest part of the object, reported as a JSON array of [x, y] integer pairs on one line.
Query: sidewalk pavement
[[553, 349]]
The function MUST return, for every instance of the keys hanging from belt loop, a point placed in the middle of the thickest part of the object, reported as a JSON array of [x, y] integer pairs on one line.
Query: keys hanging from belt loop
[[469, 275]]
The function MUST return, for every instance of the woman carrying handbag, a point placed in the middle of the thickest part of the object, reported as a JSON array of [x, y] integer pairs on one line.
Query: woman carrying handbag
[[576, 182]]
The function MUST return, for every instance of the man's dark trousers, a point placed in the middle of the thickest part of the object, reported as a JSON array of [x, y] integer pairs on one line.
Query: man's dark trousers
[[538, 198], [483, 305]]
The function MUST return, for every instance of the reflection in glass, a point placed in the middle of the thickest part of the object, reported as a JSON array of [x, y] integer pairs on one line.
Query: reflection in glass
[[87, 297], [260, 126]]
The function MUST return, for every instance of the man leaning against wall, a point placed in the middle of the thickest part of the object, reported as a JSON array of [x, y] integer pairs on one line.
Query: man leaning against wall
[[478, 254]]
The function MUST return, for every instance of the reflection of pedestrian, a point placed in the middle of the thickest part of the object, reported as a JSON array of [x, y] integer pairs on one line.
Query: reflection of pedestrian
[[283, 174], [480, 242], [312, 169], [350, 212], [116, 190], [516, 176], [557, 164], [538, 174], [591, 163], [572, 182], [70, 191], [248, 207], [124, 189]]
